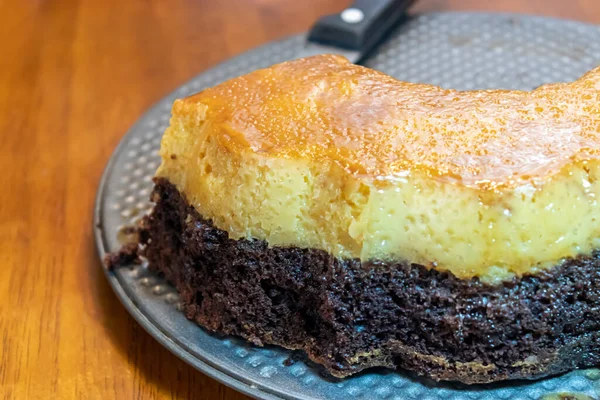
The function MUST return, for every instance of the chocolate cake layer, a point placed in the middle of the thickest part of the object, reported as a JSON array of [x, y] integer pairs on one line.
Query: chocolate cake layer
[[348, 315]]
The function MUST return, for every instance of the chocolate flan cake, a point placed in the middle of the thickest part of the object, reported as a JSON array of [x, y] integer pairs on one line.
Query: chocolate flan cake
[[323, 206]]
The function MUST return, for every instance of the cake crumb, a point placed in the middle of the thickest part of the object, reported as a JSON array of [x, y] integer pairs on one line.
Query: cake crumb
[[292, 359], [126, 255]]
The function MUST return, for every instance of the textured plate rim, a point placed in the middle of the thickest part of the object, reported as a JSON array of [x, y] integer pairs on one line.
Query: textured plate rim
[[230, 379]]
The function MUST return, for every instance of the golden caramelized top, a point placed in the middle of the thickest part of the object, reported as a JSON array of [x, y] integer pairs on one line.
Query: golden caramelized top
[[326, 109]]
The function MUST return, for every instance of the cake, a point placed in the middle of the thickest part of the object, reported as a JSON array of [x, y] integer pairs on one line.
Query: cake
[[327, 207]]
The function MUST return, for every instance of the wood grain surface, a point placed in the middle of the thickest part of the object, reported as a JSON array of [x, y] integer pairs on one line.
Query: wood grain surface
[[74, 75]]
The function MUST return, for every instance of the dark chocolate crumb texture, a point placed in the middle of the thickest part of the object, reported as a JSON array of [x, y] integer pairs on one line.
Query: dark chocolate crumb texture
[[348, 315], [127, 254]]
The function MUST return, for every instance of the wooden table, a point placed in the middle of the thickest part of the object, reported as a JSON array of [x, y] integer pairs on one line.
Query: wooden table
[[74, 75]]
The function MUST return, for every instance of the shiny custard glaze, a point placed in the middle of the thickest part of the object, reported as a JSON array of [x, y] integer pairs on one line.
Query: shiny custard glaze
[[322, 153]]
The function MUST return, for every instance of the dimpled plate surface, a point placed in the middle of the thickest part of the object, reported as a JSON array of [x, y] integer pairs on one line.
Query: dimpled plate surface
[[453, 50]]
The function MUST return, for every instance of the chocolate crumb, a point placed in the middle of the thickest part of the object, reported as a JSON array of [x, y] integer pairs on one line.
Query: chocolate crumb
[[128, 254], [293, 359]]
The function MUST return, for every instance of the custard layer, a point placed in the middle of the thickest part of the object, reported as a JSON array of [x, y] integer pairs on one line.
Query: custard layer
[[290, 155]]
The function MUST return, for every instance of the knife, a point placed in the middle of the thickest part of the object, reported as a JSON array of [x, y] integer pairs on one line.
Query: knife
[[356, 30]]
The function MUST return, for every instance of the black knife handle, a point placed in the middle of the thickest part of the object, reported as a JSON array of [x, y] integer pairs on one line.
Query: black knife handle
[[349, 31]]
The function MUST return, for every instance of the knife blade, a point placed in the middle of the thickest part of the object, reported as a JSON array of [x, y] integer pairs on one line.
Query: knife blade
[[356, 30]]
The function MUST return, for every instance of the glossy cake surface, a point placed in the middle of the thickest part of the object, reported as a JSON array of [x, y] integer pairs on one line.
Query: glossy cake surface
[[320, 153]]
